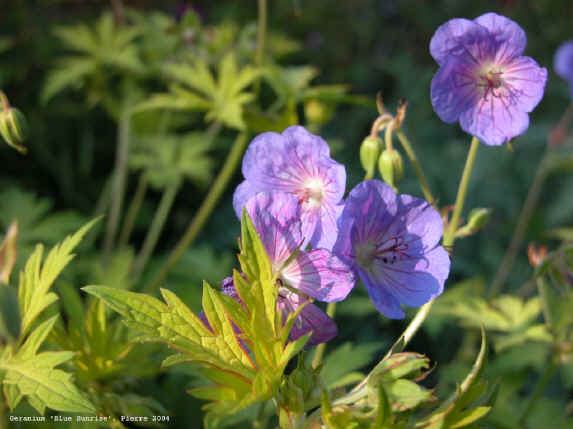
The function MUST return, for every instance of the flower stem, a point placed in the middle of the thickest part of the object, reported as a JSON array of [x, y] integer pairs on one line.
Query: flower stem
[[154, 232], [204, 212], [450, 234], [538, 389], [118, 187], [134, 208], [417, 168], [330, 311]]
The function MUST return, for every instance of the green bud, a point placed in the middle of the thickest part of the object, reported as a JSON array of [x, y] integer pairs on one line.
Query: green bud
[[477, 219], [369, 151], [13, 128], [391, 167]]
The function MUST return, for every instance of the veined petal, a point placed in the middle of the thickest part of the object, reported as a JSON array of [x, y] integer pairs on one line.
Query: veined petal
[[456, 36], [310, 319], [494, 120], [525, 81], [276, 218], [421, 220], [242, 194], [384, 302], [320, 275], [507, 33], [454, 88]]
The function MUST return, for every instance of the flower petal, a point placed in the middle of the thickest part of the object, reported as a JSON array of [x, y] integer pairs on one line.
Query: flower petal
[[454, 89], [320, 275], [454, 37], [276, 219], [495, 120], [507, 33], [384, 302], [421, 220], [563, 62], [310, 319], [242, 194], [525, 82]]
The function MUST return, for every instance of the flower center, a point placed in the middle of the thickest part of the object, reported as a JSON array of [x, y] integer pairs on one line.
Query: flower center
[[313, 192], [388, 252], [491, 79]]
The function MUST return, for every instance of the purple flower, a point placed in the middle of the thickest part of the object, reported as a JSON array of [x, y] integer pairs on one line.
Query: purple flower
[[297, 162], [317, 274], [391, 241], [484, 82], [563, 63]]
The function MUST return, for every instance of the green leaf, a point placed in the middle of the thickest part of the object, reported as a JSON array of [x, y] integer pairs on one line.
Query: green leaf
[[345, 359], [37, 379], [38, 277], [70, 72]]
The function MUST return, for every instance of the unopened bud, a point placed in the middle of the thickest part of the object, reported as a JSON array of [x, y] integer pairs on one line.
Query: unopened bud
[[477, 219], [391, 167], [369, 151], [13, 128]]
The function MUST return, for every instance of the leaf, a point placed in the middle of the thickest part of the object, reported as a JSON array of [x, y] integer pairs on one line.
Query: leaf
[[345, 359], [37, 277], [70, 72]]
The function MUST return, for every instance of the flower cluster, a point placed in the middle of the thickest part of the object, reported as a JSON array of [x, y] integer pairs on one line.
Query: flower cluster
[[319, 244], [484, 81]]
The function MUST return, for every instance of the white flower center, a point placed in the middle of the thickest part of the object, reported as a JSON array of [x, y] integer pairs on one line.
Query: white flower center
[[313, 192]]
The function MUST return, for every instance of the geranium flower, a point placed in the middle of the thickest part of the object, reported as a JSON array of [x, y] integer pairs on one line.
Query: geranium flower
[[484, 82], [316, 274], [296, 162], [391, 241], [563, 63]]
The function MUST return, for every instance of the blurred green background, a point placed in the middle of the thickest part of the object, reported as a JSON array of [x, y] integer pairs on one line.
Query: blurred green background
[[369, 45]]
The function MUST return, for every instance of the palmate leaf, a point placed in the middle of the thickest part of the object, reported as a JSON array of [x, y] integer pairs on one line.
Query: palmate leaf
[[242, 348], [38, 277]]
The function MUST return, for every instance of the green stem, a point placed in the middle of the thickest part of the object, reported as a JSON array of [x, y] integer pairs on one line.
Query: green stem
[[156, 228], [118, 187], [417, 167], [261, 35], [2, 413], [204, 212], [450, 234], [330, 311], [528, 208], [134, 208], [538, 390]]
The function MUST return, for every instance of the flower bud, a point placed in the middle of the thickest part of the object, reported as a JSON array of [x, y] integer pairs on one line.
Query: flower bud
[[13, 128], [391, 167], [477, 219], [369, 151]]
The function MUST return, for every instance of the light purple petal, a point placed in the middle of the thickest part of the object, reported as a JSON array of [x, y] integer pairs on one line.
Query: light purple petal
[[563, 61], [263, 159], [276, 219], [307, 144], [320, 226], [310, 319], [525, 82], [453, 89], [494, 120], [320, 275], [421, 220], [507, 33], [384, 302], [456, 36], [242, 194], [414, 281]]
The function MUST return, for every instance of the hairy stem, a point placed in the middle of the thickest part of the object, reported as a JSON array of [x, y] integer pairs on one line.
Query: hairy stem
[[450, 234], [156, 228], [118, 186], [417, 167], [134, 208], [204, 212], [317, 359]]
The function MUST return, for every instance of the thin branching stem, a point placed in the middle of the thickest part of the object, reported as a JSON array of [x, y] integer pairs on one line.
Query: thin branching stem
[[134, 207], [417, 167]]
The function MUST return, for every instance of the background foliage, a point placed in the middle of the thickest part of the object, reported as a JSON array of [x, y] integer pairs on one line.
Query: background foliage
[[73, 91]]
